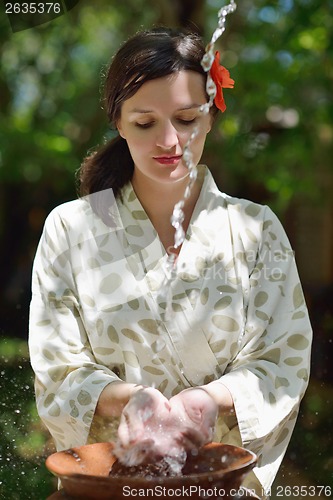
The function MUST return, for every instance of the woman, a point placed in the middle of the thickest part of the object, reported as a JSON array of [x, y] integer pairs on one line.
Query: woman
[[237, 340]]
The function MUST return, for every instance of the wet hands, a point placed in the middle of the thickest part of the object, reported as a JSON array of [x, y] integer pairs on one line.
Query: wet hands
[[140, 434], [153, 427], [196, 412]]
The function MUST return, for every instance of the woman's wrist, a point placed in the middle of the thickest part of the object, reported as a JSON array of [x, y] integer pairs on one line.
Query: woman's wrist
[[114, 397], [221, 395]]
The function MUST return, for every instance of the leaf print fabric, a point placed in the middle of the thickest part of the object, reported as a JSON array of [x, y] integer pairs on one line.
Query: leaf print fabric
[[235, 312]]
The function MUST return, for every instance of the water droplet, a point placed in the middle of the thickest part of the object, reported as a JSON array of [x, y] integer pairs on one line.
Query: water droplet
[[207, 61], [179, 237], [204, 108], [211, 87], [193, 174], [187, 155]]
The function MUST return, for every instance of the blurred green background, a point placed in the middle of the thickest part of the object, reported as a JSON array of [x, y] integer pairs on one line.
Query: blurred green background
[[274, 145]]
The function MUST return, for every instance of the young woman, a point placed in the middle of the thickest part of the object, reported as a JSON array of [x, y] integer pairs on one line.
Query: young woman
[[237, 340]]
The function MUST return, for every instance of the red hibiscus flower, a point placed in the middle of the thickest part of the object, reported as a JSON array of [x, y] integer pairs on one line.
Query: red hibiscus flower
[[221, 77]]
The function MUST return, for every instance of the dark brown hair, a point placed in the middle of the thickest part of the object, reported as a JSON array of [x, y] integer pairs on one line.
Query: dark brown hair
[[146, 56]]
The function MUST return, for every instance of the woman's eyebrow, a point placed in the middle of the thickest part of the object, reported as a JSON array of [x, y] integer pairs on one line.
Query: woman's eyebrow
[[183, 108], [190, 106], [144, 111]]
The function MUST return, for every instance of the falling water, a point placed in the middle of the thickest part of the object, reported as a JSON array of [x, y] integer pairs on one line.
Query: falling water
[[178, 215], [207, 61]]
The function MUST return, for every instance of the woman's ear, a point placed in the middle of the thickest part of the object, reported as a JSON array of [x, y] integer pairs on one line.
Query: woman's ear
[[210, 123], [120, 129]]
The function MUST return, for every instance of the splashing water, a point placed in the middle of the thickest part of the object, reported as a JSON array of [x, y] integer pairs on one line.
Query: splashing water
[[24, 443], [151, 457], [145, 443]]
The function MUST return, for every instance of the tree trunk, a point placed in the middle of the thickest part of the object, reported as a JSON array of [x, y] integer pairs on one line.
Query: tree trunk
[[184, 13]]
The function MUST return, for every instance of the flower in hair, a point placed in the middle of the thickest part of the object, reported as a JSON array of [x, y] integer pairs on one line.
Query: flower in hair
[[221, 77]]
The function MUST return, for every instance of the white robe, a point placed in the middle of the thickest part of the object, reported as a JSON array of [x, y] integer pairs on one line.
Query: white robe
[[102, 311]]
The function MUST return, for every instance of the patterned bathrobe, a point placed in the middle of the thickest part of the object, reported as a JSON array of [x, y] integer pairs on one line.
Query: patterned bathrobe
[[102, 310]]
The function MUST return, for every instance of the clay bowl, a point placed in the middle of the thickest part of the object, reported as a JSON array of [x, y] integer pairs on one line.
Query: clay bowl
[[84, 473]]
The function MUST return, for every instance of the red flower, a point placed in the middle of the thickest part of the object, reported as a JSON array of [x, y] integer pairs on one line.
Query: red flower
[[221, 77]]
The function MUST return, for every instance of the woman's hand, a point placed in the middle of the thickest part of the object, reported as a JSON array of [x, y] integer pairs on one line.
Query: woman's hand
[[151, 427], [144, 433], [196, 413]]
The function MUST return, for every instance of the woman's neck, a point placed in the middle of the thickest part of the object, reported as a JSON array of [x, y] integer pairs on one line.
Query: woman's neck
[[159, 199]]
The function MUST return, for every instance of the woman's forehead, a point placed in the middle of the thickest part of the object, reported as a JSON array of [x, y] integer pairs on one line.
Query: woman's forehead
[[184, 90]]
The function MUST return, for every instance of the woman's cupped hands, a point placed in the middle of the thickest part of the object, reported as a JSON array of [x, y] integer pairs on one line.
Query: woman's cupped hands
[[153, 427]]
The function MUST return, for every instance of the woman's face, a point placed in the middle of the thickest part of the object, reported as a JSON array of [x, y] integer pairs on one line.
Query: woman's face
[[157, 122]]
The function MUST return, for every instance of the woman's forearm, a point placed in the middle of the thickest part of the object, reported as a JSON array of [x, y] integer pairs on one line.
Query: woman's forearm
[[222, 397], [114, 397]]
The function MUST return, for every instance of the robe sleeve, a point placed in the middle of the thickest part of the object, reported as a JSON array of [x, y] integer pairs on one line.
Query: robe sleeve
[[270, 373], [68, 379]]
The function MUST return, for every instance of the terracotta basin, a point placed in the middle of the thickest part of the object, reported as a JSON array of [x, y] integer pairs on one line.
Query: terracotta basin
[[84, 474]]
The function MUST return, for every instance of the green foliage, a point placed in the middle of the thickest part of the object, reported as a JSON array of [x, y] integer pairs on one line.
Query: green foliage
[[23, 445], [278, 129], [312, 441]]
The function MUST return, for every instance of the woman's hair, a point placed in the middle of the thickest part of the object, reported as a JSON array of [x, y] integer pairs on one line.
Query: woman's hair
[[147, 55]]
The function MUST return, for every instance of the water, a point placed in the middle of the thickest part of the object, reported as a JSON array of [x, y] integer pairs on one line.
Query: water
[[178, 215]]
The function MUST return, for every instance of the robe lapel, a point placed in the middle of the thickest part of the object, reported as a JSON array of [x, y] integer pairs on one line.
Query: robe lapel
[[178, 305]]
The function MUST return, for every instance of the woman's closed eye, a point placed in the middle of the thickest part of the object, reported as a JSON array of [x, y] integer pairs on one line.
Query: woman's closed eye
[[187, 122], [144, 125], [182, 121]]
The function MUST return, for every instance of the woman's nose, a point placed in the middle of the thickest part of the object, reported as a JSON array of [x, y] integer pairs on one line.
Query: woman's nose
[[167, 136]]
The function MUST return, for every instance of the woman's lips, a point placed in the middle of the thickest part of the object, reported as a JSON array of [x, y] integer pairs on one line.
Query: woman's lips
[[168, 160]]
